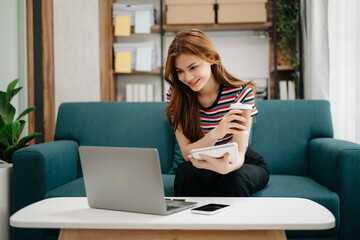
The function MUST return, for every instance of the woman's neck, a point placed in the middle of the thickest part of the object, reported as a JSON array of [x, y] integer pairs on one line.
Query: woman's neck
[[208, 94]]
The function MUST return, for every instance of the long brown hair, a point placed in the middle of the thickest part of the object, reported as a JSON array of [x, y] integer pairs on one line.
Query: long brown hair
[[184, 107]]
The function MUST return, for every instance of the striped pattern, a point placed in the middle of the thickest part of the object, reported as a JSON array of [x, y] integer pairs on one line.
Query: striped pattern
[[211, 116]]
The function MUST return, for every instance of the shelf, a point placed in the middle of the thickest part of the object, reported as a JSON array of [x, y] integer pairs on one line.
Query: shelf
[[218, 27], [282, 68], [283, 72], [153, 29], [154, 72]]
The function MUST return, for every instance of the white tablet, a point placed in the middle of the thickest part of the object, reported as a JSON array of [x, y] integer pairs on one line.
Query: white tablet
[[218, 151]]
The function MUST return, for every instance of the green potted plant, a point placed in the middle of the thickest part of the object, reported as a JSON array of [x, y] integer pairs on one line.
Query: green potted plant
[[10, 129], [287, 27], [10, 141]]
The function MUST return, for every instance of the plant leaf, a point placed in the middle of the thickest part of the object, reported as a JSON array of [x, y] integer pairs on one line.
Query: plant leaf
[[7, 112], [17, 129], [12, 85], [7, 154], [4, 139], [26, 111], [7, 129], [12, 93], [3, 96], [2, 122], [23, 141]]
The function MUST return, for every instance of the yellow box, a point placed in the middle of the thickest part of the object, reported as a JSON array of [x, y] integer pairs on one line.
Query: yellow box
[[242, 11], [190, 11]]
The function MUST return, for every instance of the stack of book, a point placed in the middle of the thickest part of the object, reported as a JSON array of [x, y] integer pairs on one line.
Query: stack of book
[[130, 10], [139, 92], [287, 90], [142, 56]]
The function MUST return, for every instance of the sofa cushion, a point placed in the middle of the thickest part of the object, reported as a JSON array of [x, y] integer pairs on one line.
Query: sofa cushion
[[178, 158], [168, 182], [283, 129], [116, 124], [76, 188], [303, 187]]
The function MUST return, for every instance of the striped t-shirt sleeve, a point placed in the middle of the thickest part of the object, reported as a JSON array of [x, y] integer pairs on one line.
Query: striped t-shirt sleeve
[[168, 95], [247, 96]]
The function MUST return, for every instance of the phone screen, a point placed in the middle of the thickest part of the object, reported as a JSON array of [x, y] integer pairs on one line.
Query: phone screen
[[212, 207]]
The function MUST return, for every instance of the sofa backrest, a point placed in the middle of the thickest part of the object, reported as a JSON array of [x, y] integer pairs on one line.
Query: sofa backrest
[[118, 124], [282, 130]]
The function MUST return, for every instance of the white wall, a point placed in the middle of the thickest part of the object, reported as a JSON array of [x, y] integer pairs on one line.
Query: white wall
[[245, 54], [13, 61], [76, 51], [9, 46]]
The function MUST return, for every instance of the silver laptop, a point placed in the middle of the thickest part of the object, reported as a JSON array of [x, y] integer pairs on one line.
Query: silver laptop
[[126, 179]]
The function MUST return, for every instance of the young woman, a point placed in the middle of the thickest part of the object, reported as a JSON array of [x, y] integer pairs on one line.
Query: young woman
[[200, 93]]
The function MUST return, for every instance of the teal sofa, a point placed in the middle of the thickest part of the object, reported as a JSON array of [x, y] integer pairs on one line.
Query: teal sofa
[[295, 138]]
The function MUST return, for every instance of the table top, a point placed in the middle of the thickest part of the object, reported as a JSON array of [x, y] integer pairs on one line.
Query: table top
[[243, 214]]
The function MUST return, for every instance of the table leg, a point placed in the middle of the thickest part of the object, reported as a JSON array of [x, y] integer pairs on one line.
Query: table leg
[[112, 234]]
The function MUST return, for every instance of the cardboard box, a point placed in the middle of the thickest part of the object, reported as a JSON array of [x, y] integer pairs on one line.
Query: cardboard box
[[241, 11], [190, 11]]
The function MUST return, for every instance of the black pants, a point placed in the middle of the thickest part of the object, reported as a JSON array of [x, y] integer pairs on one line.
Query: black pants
[[251, 177]]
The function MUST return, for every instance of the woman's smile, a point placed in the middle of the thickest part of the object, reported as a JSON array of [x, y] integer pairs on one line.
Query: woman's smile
[[193, 83]]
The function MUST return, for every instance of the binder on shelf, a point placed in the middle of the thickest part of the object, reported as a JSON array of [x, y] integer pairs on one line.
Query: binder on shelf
[[283, 90], [129, 92], [291, 90], [150, 93], [142, 92], [287, 90], [130, 10], [133, 48], [136, 92]]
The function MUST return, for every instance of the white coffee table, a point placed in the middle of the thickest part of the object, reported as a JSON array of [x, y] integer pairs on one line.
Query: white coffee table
[[258, 218]]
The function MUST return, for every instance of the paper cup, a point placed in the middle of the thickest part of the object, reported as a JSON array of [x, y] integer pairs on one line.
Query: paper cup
[[246, 108]]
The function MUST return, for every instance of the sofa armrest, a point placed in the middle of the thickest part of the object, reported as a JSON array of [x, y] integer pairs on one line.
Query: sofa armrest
[[336, 165], [40, 168]]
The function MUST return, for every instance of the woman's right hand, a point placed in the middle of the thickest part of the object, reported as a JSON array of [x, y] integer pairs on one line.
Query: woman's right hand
[[231, 123]]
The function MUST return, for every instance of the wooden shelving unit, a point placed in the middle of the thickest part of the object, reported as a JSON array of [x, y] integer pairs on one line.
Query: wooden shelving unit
[[108, 75], [219, 27], [154, 72], [154, 29], [283, 72]]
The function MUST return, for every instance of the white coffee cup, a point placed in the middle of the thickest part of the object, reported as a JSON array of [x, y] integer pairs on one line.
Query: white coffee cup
[[246, 113]]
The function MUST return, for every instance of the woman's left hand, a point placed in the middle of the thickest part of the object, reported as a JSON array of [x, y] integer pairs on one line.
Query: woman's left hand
[[220, 165]]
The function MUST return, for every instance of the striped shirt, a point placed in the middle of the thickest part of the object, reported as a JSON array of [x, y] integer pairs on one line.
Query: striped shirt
[[211, 116]]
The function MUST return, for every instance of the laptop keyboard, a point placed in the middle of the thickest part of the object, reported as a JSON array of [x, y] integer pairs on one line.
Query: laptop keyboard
[[169, 207]]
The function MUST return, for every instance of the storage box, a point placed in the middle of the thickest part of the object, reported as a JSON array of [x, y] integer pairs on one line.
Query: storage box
[[241, 11], [190, 11]]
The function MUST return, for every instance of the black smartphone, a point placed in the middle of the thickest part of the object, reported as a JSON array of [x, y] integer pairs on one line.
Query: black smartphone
[[210, 208]]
